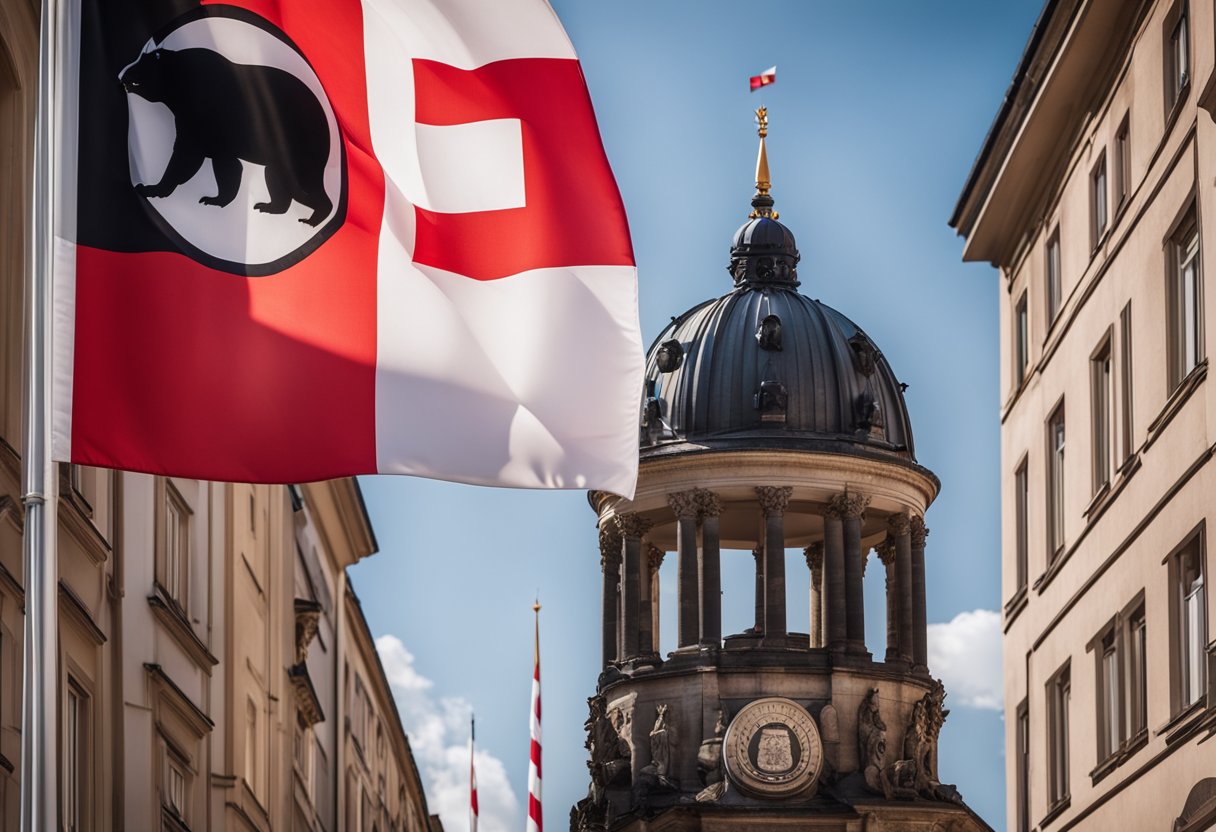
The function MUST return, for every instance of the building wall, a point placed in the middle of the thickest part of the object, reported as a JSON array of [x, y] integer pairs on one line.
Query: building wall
[[1117, 537], [208, 633]]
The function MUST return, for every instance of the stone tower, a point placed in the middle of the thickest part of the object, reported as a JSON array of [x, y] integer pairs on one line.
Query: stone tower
[[769, 421]]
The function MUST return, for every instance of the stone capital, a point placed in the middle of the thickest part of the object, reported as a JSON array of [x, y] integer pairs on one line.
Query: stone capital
[[610, 547], [654, 557], [684, 504], [814, 557], [774, 499], [899, 524], [632, 525], [708, 503], [847, 505], [886, 551], [919, 532]]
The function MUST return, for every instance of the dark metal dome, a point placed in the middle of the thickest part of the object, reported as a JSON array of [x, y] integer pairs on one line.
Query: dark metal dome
[[767, 367]]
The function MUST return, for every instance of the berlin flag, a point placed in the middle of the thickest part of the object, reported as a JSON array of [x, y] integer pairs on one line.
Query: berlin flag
[[298, 240]]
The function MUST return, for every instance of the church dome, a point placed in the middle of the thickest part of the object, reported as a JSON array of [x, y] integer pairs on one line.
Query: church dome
[[768, 367]]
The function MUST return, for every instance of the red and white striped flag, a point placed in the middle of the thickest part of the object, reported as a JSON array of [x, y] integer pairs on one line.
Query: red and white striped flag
[[472, 776], [769, 76], [300, 240], [535, 814]]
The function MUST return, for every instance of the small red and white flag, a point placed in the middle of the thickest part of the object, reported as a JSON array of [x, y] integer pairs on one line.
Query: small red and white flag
[[300, 240], [769, 76], [473, 813], [535, 814]]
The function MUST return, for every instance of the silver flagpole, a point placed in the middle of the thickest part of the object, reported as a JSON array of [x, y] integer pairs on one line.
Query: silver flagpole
[[38, 712]]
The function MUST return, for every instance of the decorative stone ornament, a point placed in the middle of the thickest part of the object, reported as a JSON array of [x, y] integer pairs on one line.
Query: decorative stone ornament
[[669, 356], [773, 749]]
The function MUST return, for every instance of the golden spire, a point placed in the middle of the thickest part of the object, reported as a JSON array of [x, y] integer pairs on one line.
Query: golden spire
[[762, 202]]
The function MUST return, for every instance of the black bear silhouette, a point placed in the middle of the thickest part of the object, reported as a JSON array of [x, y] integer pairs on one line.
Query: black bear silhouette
[[229, 113]]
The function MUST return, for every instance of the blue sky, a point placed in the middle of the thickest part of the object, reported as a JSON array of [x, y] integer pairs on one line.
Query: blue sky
[[878, 111]]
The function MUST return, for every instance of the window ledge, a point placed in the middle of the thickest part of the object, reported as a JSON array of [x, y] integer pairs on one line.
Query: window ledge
[[1014, 606], [1119, 756], [170, 616], [1099, 499], [1174, 403], [1058, 808], [1184, 723]]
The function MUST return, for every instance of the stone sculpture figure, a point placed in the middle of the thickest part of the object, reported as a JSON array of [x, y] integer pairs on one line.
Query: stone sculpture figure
[[872, 744], [663, 741], [710, 764], [916, 774], [609, 763]]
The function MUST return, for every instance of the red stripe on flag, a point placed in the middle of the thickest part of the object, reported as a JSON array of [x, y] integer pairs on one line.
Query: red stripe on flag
[[758, 81], [175, 363], [534, 812], [568, 184]]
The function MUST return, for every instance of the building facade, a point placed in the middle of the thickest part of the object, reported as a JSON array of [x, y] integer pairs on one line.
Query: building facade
[[1094, 195], [769, 421], [215, 668]]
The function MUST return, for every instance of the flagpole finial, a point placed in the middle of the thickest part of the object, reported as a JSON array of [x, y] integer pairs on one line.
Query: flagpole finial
[[762, 202]]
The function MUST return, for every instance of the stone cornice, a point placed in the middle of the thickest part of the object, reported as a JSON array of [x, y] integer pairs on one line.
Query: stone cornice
[[774, 499]]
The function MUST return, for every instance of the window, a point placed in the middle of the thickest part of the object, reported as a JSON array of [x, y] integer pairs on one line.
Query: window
[[1192, 629], [173, 559], [1055, 483], [1123, 163], [1177, 54], [1021, 481], [1098, 214], [175, 788], [303, 754], [74, 790], [252, 757], [1125, 385], [1023, 764], [1185, 297], [1101, 386], [1137, 673], [1054, 287], [1021, 342], [1059, 695], [1109, 713]]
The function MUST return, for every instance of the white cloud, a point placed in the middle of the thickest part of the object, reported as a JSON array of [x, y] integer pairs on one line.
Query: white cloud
[[438, 729], [966, 654]]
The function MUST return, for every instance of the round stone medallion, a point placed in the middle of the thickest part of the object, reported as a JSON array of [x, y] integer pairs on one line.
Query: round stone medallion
[[772, 749]]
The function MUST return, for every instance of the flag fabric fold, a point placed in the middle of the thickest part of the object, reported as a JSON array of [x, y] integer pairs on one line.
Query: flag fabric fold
[[302, 240], [473, 810]]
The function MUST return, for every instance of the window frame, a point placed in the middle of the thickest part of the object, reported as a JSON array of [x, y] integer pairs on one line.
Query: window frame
[[1021, 340], [1021, 520], [75, 789], [1194, 543], [1126, 385], [1102, 412], [1184, 257], [1059, 704], [1177, 55], [1099, 201], [174, 522], [1123, 164], [1056, 489], [1135, 687], [1107, 648], [1053, 276], [1022, 777]]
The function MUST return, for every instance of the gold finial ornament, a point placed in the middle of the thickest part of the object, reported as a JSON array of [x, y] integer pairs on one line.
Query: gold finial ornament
[[762, 202]]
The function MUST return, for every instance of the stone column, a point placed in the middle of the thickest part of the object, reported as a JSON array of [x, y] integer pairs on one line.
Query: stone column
[[835, 605], [814, 563], [901, 530], [886, 554], [758, 556], [920, 647], [650, 583], [610, 562], [774, 500], [631, 527], [850, 508], [684, 506], [710, 568]]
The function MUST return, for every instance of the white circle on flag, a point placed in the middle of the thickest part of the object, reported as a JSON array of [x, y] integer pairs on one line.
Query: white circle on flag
[[248, 229]]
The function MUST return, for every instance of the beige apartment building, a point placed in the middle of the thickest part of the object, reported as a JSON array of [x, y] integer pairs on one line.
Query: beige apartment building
[[216, 671], [1095, 196]]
